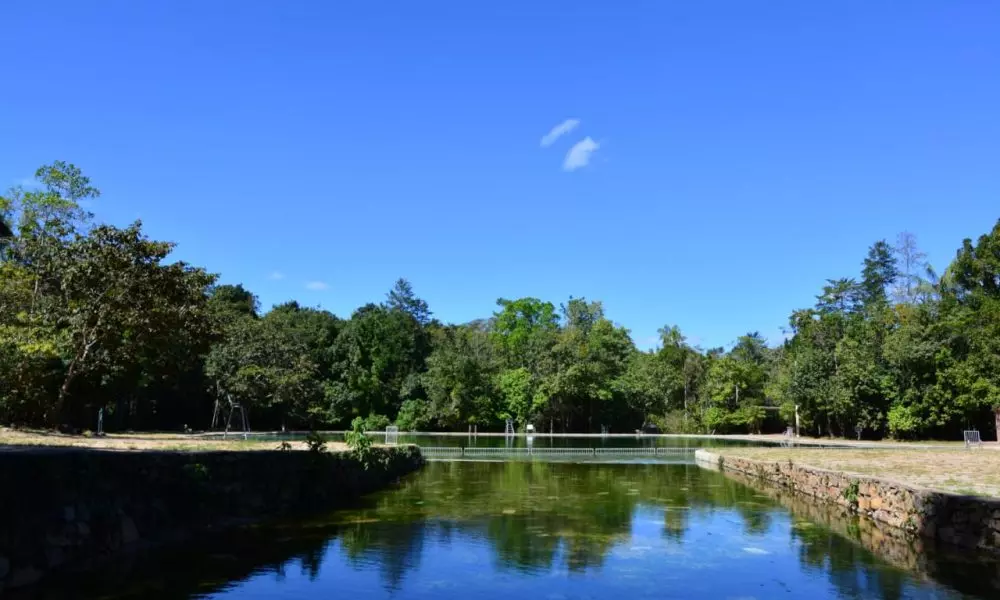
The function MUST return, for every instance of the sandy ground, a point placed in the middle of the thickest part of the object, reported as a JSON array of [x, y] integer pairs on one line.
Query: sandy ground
[[145, 441], [972, 472]]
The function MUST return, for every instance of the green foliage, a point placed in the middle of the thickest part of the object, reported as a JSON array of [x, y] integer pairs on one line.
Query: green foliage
[[266, 368], [376, 422], [516, 388], [903, 423], [315, 442], [229, 302], [359, 442], [414, 415], [95, 317], [850, 493], [677, 421], [459, 381], [377, 358]]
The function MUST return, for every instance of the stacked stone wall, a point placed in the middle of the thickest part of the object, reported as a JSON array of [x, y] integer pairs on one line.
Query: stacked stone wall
[[963, 521], [64, 508]]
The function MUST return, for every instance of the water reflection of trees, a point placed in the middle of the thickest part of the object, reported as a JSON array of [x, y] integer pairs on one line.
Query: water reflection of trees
[[862, 558], [534, 517], [538, 516], [852, 570]]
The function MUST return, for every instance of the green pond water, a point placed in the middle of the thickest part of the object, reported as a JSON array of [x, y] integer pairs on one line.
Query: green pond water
[[550, 530]]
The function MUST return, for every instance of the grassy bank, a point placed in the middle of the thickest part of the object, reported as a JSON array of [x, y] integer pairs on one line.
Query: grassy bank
[[145, 441], [960, 471]]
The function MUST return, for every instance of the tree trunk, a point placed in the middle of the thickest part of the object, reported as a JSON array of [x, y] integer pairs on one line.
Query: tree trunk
[[57, 409], [996, 420], [71, 372]]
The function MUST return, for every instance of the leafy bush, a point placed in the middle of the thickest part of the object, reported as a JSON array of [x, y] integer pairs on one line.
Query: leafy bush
[[315, 442], [359, 442], [749, 417], [676, 422], [902, 422], [414, 415], [716, 420], [850, 494], [376, 422]]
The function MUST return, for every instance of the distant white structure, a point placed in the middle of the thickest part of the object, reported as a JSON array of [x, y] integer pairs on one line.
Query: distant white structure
[[391, 435], [972, 438], [530, 428]]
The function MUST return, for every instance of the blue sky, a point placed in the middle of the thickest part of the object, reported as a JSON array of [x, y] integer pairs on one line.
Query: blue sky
[[729, 156]]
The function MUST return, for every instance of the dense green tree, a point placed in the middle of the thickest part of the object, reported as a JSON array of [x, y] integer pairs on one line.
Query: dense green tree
[[524, 331], [402, 298], [264, 367], [517, 395], [116, 299], [591, 356], [229, 302], [973, 300], [377, 359], [460, 379], [880, 272], [735, 386]]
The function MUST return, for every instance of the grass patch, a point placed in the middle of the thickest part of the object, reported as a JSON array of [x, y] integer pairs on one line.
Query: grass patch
[[958, 471]]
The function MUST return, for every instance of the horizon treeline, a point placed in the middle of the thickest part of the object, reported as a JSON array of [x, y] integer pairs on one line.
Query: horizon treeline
[[94, 316]]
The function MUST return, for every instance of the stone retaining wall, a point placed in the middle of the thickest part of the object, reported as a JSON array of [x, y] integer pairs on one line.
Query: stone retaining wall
[[977, 576], [964, 521], [72, 508]]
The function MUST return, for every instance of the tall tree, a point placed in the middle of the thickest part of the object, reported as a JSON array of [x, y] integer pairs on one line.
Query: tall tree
[[880, 272], [114, 290], [261, 365], [402, 298], [460, 379], [912, 267], [523, 331], [378, 356], [975, 291]]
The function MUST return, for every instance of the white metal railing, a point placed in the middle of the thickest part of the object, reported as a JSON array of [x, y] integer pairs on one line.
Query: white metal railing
[[473, 451]]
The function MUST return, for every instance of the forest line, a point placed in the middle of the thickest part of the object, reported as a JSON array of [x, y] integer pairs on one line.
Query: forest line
[[94, 316]]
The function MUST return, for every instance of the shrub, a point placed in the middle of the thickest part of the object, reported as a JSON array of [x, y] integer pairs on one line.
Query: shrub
[[850, 494], [902, 422], [716, 420], [676, 422], [359, 442], [414, 415], [315, 442], [376, 422]]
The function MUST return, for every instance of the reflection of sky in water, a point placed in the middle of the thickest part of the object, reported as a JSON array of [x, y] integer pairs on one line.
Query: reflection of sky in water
[[556, 535]]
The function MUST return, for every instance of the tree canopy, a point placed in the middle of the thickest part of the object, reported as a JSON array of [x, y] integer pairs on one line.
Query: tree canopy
[[94, 316]]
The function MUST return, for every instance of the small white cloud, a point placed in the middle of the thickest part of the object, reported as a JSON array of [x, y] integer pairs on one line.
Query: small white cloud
[[579, 155], [558, 131], [276, 275], [317, 286]]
